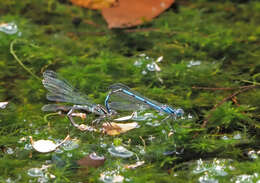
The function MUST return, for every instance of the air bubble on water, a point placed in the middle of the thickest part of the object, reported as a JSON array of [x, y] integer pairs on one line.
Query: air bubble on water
[[111, 177], [252, 154], [94, 156], [138, 63], [36, 132], [43, 179], [237, 136], [8, 28], [244, 178], [35, 172], [144, 72], [207, 179], [151, 67], [69, 155], [120, 151], [153, 124], [28, 147], [225, 138], [103, 145], [193, 63], [216, 167], [9, 150], [190, 116]]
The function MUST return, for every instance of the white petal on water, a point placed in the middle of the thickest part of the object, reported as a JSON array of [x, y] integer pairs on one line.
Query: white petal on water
[[120, 151], [3, 105], [8, 28], [46, 146], [159, 59], [21, 140]]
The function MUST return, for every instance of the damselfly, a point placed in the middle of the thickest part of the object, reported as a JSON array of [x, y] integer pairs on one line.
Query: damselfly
[[128, 99], [61, 91]]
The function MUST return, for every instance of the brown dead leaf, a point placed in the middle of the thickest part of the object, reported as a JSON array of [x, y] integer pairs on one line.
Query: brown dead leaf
[[94, 4], [128, 13], [118, 128]]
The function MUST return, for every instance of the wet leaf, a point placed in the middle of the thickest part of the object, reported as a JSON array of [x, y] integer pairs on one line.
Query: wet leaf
[[135, 12], [94, 4]]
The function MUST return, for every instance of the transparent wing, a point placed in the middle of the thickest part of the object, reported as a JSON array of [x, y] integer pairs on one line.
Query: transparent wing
[[60, 90], [125, 102], [55, 108]]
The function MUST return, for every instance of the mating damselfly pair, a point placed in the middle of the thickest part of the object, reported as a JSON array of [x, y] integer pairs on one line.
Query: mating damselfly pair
[[120, 98]]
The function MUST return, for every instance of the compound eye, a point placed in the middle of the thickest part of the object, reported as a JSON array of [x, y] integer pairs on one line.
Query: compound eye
[[179, 112]]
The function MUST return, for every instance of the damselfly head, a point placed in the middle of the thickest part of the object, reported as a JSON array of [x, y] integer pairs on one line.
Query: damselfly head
[[179, 112]]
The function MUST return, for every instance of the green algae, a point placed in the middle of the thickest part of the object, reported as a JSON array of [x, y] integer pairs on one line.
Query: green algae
[[223, 36]]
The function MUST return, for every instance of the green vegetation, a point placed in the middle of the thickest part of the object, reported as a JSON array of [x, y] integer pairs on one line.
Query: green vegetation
[[222, 93]]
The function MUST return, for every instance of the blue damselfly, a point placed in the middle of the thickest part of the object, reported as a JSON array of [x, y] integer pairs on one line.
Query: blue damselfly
[[128, 99]]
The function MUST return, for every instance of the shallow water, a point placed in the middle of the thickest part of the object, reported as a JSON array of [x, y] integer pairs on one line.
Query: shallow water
[[201, 56]]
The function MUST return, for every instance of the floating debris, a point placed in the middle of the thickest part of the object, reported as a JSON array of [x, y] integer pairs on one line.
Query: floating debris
[[120, 151], [193, 63], [3, 105], [111, 177], [133, 166], [118, 128], [8, 28], [46, 146], [92, 160]]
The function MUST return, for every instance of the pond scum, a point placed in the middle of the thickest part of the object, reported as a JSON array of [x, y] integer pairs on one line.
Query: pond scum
[[210, 69]]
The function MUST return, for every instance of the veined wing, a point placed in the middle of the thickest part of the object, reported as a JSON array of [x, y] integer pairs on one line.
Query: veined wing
[[123, 101], [55, 108], [60, 90]]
